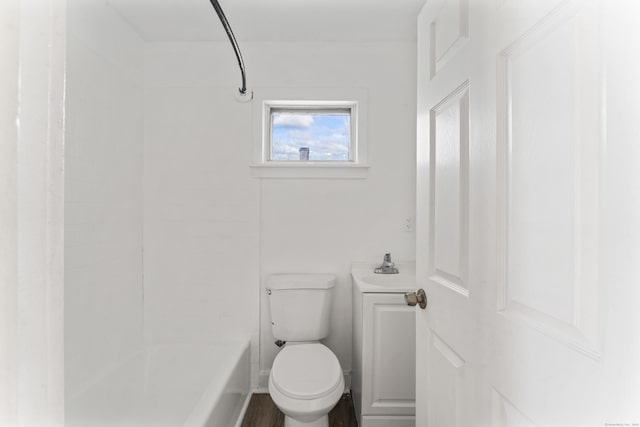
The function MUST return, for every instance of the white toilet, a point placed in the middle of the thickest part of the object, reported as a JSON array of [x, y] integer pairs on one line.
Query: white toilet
[[306, 379]]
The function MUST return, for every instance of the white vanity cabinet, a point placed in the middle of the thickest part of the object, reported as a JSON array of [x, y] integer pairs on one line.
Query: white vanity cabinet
[[383, 375]]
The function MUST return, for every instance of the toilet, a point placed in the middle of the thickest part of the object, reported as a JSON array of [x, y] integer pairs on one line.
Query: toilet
[[306, 379]]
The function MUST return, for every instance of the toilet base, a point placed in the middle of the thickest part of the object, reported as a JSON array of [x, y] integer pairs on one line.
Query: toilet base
[[323, 421]]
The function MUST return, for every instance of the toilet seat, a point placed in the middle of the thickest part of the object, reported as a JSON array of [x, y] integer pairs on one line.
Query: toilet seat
[[306, 371]]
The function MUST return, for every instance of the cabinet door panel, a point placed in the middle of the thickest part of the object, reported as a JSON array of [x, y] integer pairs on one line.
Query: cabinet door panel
[[388, 356]]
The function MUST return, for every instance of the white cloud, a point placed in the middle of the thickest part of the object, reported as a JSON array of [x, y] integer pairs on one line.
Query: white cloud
[[293, 120]]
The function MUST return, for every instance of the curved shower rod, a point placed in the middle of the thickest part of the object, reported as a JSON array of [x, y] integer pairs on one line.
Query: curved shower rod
[[234, 44]]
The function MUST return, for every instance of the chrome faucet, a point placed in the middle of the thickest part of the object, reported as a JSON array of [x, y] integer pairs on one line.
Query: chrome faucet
[[387, 267]]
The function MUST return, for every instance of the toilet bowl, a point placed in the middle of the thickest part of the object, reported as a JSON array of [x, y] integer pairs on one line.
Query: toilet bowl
[[305, 383]]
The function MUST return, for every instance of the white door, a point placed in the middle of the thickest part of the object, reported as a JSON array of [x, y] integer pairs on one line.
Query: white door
[[528, 214]]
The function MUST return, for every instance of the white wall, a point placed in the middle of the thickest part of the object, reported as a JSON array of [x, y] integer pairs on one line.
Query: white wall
[[324, 225], [9, 78], [213, 233], [32, 62], [201, 247], [103, 201]]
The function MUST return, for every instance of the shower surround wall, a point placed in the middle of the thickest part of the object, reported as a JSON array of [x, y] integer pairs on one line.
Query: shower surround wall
[[201, 235], [212, 233], [103, 194]]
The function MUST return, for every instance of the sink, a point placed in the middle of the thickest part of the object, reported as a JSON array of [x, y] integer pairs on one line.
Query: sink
[[367, 281]]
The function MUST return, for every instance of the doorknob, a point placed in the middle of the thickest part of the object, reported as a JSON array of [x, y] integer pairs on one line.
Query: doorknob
[[416, 298]]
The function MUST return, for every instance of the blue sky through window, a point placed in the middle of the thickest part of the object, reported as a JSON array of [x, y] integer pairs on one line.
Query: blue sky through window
[[327, 135]]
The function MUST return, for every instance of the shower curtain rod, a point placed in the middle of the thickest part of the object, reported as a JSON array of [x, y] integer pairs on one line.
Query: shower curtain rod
[[234, 44]]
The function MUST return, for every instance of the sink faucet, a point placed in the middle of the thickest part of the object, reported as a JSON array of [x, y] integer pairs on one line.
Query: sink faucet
[[387, 267]]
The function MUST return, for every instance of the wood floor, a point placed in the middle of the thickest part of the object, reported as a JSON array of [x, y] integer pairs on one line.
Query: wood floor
[[262, 412]]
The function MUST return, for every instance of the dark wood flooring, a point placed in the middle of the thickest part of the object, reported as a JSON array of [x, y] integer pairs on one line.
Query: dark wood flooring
[[262, 412]]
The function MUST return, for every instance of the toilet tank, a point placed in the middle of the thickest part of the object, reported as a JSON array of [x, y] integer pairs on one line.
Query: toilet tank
[[300, 305]]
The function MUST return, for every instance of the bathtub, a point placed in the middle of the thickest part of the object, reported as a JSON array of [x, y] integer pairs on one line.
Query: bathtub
[[178, 385]]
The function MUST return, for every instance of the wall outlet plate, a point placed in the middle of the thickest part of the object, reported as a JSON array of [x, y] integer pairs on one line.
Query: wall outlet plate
[[409, 224]]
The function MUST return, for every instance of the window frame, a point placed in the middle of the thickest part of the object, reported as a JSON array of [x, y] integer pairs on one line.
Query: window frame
[[316, 109], [267, 100], [313, 107]]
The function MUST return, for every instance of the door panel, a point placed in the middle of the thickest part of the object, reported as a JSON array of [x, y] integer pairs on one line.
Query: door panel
[[505, 414], [551, 89], [448, 31], [547, 319], [449, 121], [446, 372]]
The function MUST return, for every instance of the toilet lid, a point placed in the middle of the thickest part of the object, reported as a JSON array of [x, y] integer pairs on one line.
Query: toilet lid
[[306, 371]]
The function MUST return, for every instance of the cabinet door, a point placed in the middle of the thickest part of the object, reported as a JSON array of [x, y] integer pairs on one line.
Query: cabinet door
[[388, 353]]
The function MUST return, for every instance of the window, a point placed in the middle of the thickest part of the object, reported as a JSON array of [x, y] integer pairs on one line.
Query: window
[[310, 133]]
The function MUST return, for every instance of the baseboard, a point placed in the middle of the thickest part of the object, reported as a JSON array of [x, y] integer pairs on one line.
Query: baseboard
[[347, 381], [263, 381]]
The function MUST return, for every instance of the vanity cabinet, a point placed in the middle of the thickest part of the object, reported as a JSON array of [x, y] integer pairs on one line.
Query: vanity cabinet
[[383, 376]]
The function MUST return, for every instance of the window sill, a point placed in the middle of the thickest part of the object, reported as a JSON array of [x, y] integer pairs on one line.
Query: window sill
[[310, 170]]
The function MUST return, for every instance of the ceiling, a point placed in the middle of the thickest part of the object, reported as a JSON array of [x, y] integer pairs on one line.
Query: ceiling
[[273, 20]]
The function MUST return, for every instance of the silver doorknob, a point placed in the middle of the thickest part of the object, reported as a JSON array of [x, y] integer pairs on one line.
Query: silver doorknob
[[416, 298]]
